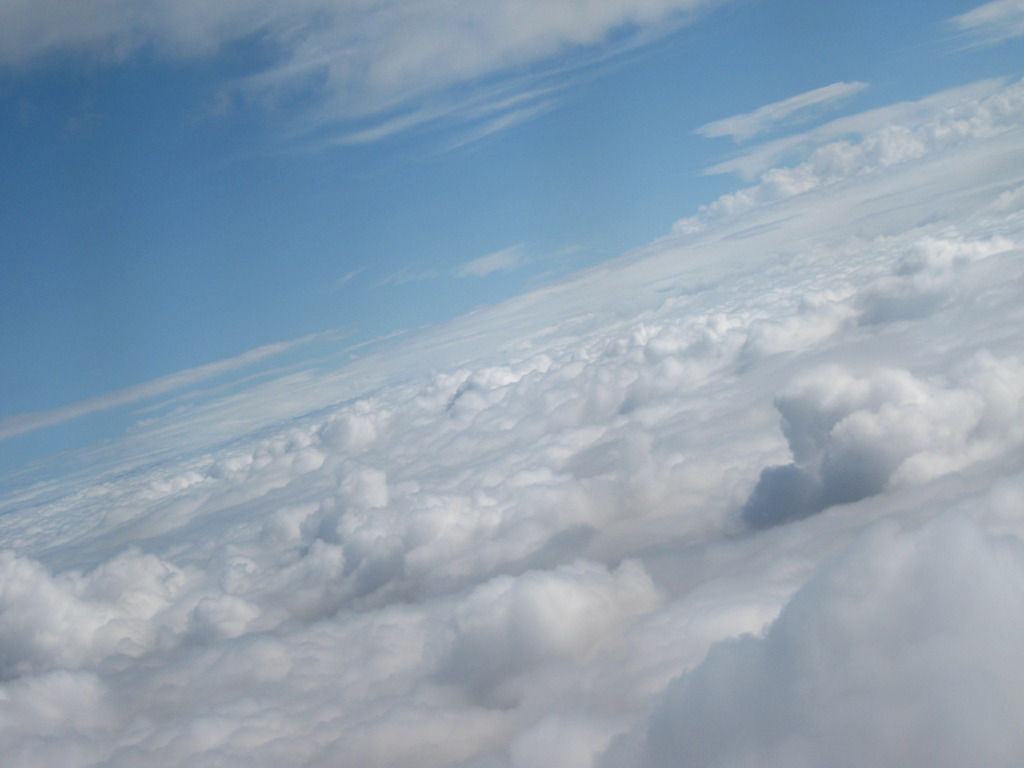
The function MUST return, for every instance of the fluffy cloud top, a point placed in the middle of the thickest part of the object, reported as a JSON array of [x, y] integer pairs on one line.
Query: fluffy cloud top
[[899, 653], [751, 495]]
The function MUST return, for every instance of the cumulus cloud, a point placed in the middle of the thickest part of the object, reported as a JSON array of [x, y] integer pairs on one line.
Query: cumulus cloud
[[75, 619], [770, 116], [511, 626], [850, 437], [752, 495], [901, 653]]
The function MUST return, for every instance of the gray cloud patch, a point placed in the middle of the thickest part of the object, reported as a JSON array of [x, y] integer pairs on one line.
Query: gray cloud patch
[[899, 652]]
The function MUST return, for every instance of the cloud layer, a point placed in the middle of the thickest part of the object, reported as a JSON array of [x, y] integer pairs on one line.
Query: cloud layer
[[751, 494], [938, 126]]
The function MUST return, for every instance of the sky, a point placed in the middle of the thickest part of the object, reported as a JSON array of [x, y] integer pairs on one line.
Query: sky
[[185, 183], [629, 384]]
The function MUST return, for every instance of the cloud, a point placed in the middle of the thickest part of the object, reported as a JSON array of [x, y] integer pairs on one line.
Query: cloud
[[408, 275], [487, 111], [787, 111], [389, 65], [511, 626], [345, 279], [500, 261], [28, 422], [900, 652], [751, 494], [882, 147], [763, 157], [992, 22], [851, 438]]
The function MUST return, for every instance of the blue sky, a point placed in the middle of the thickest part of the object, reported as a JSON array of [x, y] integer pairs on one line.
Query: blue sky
[[184, 183]]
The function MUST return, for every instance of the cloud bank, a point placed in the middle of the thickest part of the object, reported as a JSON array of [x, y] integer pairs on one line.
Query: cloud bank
[[940, 126], [751, 494]]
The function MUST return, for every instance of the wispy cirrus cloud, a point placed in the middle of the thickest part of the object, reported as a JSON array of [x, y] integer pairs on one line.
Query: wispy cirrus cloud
[[407, 275], [992, 22], [347, 278], [29, 422], [504, 260], [361, 70], [792, 110]]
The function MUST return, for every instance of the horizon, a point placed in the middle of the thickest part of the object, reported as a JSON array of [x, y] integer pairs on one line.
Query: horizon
[[155, 240]]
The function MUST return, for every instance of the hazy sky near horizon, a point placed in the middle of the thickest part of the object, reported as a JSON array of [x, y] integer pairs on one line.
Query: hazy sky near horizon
[[190, 187]]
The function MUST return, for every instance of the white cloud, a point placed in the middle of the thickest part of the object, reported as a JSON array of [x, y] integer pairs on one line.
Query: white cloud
[[504, 260], [992, 22], [528, 537], [852, 438], [392, 64], [884, 146], [28, 422], [347, 278], [770, 116], [899, 653], [763, 157], [408, 275]]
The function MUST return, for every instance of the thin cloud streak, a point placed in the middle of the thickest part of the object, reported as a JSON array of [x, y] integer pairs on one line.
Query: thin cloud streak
[[794, 109], [407, 275], [504, 260], [348, 277], [29, 422], [393, 65], [992, 23]]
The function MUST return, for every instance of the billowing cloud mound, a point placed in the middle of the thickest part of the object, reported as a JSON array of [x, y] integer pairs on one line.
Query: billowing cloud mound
[[901, 652], [851, 438], [749, 496]]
